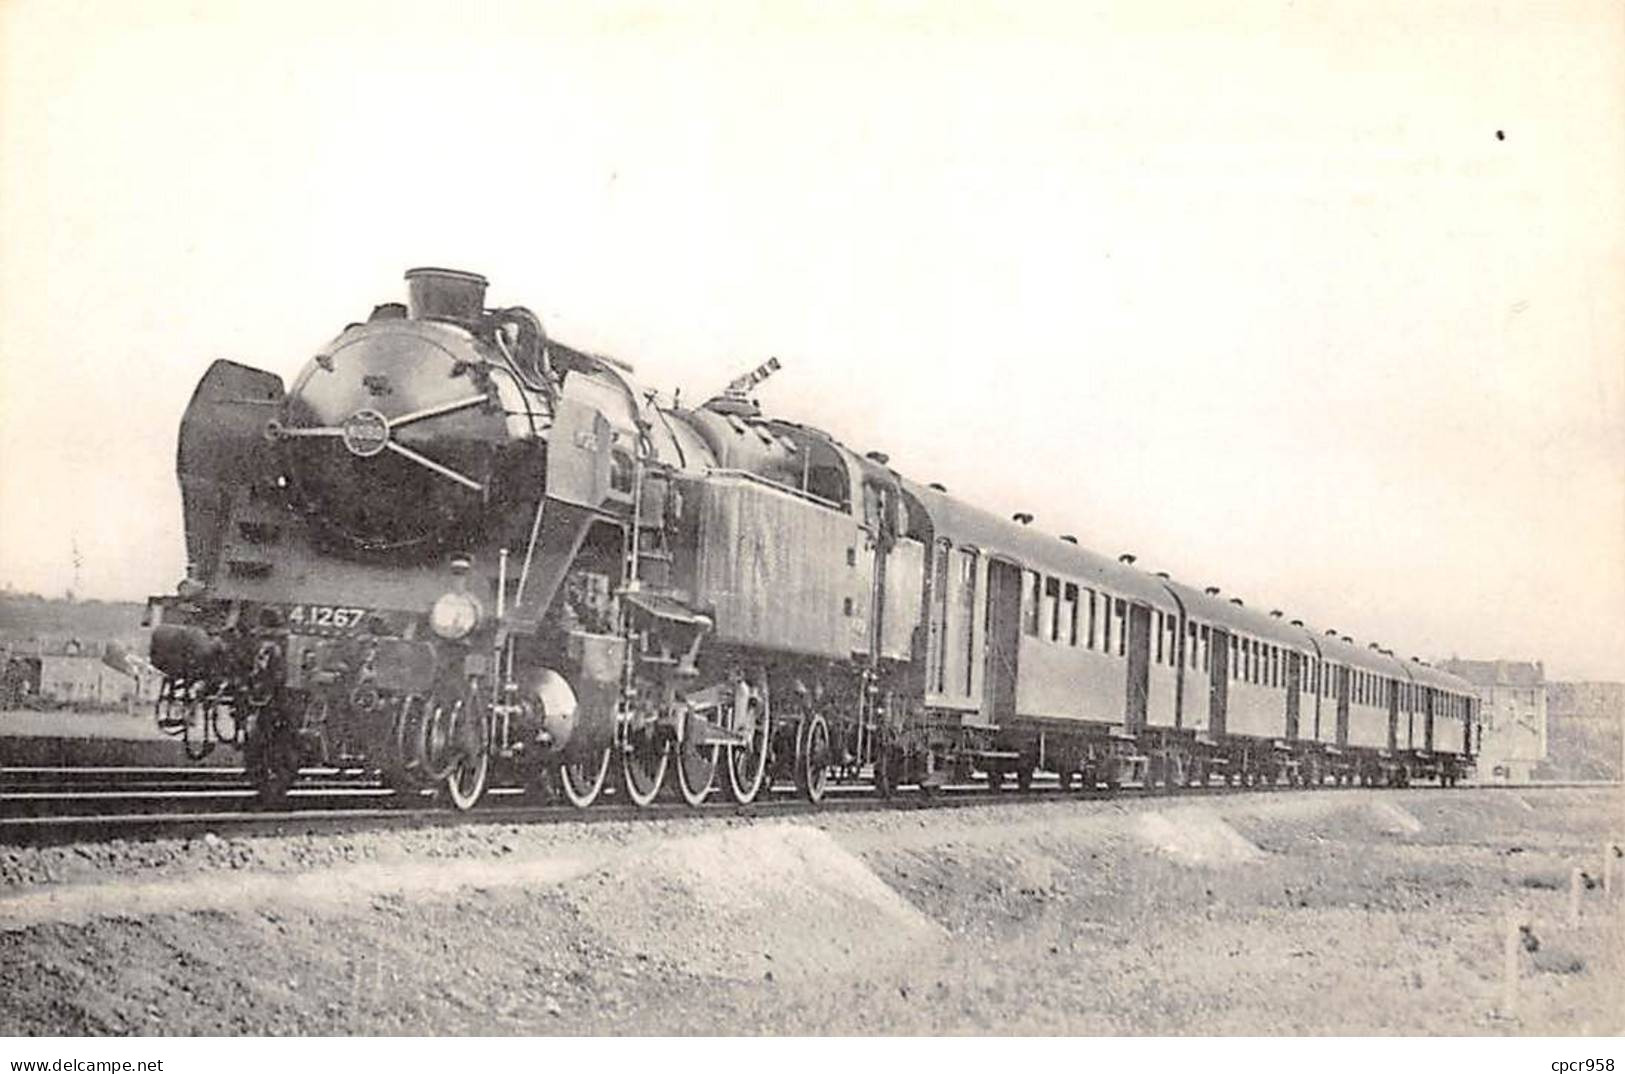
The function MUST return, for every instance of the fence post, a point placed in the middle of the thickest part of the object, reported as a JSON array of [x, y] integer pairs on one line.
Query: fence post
[[1509, 968]]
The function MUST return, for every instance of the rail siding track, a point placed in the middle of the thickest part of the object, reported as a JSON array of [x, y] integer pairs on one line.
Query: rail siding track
[[56, 807]]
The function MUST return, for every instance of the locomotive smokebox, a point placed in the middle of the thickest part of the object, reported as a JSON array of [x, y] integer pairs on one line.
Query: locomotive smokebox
[[438, 294]]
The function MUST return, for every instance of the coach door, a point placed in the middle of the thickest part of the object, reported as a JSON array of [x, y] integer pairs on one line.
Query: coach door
[[1139, 666], [1003, 641], [1393, 716], [1342, 706], [1218, 680], [1294, 677]]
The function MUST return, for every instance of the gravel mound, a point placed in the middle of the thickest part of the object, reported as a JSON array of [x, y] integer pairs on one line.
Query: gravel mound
[[1392, 819], [1195, 837], [772, 901]]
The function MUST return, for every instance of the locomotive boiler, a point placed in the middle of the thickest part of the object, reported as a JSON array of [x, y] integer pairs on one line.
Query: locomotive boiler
[[455, 545], [453, 541]]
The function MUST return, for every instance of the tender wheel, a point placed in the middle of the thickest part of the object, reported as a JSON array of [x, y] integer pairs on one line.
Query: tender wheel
[[812, 757], [696, 770], [995, 780], [643, 767], [747, 765], [1024, 778], [583, 781]]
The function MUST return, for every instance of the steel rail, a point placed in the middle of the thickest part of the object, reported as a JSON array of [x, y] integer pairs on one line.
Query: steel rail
[[381, 810]]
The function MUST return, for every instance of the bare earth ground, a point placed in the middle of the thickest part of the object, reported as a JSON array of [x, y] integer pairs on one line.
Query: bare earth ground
[[1331, 912]]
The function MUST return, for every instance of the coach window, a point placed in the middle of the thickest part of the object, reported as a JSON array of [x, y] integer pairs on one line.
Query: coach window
[[1173, 639], [1089, 638], [1069, 614], [1192, 646], [1052, 609], [1120, 614], [1207, 649], [1156, 628]]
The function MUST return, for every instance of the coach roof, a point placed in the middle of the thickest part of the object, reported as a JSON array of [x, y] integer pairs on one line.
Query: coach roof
[[966, 525], [1238, 618]]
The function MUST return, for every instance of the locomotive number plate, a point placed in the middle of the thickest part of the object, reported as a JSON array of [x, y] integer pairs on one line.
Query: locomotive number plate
[[325, 619]]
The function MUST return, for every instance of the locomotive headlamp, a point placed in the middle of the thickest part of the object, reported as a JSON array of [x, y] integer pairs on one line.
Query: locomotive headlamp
[[454, 616]]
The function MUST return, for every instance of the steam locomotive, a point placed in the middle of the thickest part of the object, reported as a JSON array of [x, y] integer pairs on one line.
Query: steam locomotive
[[457, 546]]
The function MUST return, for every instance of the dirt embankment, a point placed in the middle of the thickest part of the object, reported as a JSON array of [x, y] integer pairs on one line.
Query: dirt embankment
[[1331, 912]]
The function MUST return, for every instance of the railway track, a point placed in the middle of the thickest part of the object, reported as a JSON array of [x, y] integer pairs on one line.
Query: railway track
[[47, 807]]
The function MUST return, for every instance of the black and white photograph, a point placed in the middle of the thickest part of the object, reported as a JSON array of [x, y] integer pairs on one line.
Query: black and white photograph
[[1032, 525]]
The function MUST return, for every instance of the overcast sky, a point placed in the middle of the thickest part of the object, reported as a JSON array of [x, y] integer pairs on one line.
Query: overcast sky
[[1257, 293]]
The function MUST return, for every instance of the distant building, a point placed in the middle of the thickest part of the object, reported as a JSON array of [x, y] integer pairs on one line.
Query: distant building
[[77, 678], [1512, 735], [1585, 734]]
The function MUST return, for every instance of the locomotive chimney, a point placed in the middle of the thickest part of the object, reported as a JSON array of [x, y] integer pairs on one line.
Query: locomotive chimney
[[437, 294]]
